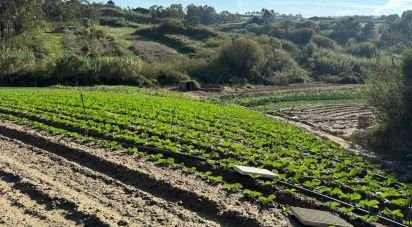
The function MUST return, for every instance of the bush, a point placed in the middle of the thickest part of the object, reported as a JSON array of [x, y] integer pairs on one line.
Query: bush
[[301, 36], [385, 91], [353, 69], [73, 69], [114, 21], [115, 70], [365, 49], [78, 70], [16, 62], [324, 42], [271, 42], [291, 48], [172, 26], [171, 77], [16, 65]]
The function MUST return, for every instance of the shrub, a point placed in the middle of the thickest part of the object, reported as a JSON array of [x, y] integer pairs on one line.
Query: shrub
[[172, 26], [324, 42], [354, 69], [73, 69], [301, 36], [365, 49], [115, 70], [16, 62], [291, 48], [114, 21], [386, 91], [269, 41], [171, 77], [16, 65]]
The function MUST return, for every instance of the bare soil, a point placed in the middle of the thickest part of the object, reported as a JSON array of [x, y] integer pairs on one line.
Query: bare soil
[[251, 90], [48, 180], [152, 51], [337, 119]]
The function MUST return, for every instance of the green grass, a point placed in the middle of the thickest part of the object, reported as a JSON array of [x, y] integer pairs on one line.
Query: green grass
[[53, 44], [120, 34], [225, 135]]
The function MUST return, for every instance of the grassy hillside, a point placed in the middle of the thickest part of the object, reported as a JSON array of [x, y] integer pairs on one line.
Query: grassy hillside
[[279, 49]]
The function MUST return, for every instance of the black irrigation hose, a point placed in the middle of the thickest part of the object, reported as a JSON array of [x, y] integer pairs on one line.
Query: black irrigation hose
[[360, 210], [283, 183], [301, 189]]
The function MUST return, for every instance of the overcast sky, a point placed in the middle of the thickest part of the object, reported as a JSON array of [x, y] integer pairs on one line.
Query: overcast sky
[[307, 8]]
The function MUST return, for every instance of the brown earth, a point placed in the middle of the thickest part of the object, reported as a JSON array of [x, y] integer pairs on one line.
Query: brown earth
[[338, 119], [152, 51], [252, 90], [48, 180]]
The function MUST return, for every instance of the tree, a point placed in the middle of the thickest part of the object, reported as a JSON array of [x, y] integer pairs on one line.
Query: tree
[[368, 32], [207, 14], [157, 11], [18, 15], [267, 16], [407, 72], [111, 3], [175, 11]]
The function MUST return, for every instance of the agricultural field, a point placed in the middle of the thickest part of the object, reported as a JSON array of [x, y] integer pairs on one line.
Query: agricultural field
[[338, 119], [294, 97], [195, 142]]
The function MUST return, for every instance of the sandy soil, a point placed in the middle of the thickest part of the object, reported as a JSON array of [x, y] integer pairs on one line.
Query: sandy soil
[[47, 180]]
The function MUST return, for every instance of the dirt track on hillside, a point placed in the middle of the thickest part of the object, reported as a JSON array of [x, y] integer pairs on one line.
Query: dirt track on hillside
[[47, 180]]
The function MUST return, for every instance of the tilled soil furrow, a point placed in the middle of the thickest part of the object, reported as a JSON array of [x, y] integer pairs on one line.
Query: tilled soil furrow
[[17, 209], [324, 108], [210, 203], [96, 193], [330, 111], [66, 208]]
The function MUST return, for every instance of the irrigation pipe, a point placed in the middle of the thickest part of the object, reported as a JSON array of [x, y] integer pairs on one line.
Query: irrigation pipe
[[283, 183]]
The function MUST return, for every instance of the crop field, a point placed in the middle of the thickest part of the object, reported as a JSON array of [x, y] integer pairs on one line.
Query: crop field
[[338, 119], [207, 140], [290, 98]]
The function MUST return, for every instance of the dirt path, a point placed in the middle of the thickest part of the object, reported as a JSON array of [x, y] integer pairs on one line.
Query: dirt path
[[47, 180]]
